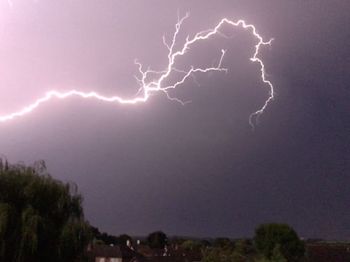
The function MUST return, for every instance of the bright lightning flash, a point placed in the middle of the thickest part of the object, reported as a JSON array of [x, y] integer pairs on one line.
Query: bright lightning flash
[[150, 87], [10, 3]]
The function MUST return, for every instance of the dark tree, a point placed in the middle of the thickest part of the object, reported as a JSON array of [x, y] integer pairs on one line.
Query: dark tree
[[192, 245], [223, 242], [157, 239], [123, 239], [272, 239], [41, 219]]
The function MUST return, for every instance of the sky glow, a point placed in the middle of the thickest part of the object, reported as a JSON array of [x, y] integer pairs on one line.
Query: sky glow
[[156, 85]]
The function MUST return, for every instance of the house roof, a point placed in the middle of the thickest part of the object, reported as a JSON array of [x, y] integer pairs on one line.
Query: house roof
[[112, 252], [106, 251], [328, 253]]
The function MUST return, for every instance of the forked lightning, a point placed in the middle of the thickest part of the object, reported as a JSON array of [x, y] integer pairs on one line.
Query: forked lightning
[[152, 82]]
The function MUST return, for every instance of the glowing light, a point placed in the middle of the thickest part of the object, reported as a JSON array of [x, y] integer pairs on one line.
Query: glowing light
[[149, 87], [10, 3]]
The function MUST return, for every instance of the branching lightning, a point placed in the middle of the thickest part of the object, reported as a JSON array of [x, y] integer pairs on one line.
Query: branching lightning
[[157, 84]]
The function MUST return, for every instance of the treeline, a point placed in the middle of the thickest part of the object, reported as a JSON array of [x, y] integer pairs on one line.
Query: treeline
[[107, 239], [41, 219], [271, 243]]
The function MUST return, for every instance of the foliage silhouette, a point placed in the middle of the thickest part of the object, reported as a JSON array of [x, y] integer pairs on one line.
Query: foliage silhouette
[[278, 240], [41, 219]]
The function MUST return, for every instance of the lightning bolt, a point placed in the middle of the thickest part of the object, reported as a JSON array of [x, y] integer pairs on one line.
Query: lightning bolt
[[152, 82]]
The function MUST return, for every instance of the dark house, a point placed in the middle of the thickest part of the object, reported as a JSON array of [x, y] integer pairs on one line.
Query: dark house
[[104, 253], [326, 252]]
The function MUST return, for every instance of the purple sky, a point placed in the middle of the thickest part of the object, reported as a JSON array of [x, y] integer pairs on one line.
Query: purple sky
[[196, 169]]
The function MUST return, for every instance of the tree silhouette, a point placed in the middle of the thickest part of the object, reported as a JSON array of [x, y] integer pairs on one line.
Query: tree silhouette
[[278, 240], [41, 219], [157, 239]]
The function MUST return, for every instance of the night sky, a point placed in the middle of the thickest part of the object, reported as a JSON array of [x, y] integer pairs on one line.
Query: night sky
[[198, 169]]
